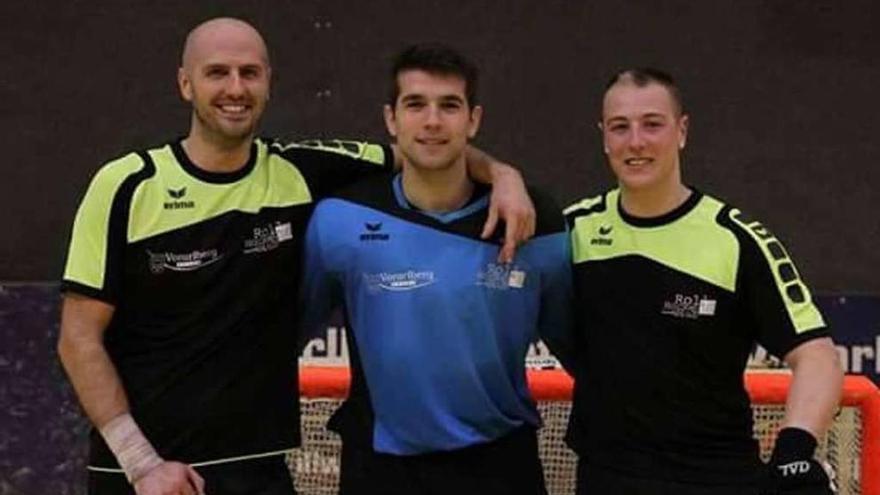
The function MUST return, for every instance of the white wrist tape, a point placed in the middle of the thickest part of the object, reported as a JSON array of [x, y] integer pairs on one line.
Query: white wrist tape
[[132, 449]]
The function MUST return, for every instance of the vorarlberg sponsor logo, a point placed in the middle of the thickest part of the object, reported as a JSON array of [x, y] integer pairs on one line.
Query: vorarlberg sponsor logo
[[399, 281], [268, 237], [689, 306], [502, 276], [182, 262]]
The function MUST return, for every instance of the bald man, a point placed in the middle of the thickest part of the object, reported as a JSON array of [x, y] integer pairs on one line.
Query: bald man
[[178, 318]]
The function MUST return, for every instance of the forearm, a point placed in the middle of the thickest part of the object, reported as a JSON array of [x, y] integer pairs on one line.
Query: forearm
[[815, 388], [94, 379], [485, 169], [86, 362], [102, 396], [98, 386]]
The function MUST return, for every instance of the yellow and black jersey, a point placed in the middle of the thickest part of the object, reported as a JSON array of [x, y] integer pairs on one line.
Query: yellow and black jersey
[[203, 270], [669, 309]]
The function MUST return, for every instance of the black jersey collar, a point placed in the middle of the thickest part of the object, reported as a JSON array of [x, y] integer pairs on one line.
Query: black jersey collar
[[666, 218], [479, 200], [213, 177]]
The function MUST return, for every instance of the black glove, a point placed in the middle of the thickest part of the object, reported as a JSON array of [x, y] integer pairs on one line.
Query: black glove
[[792, 470]]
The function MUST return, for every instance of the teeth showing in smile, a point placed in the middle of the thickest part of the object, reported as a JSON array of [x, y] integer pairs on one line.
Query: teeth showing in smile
[[637, 161], [232, 108]]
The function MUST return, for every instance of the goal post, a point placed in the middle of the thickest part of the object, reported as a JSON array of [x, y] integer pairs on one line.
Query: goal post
[[851, 446], [853, 439]]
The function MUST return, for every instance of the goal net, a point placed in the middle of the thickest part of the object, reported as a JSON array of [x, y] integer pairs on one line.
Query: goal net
[[851, 447]]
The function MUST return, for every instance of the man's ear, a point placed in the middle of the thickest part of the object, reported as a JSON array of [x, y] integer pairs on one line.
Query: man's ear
[[601, 128], [683, 124], [475, 120], [184, 84], [390, 122]]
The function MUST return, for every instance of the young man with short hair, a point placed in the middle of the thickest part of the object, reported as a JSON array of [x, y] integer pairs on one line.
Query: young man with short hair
[[438, 329], [687, 285]]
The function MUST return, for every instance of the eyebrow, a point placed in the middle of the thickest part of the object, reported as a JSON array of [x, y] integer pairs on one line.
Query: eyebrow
[[218, 65], [455, 98], [419, 96], [621, 118]]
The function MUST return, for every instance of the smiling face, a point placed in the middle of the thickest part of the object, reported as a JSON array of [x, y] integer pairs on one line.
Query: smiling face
[[225, 75], [643, 132], [432, 119]]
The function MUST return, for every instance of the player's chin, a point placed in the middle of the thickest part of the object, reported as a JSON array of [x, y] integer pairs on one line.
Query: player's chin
[[433, 163], [635, 180], [237, 130]]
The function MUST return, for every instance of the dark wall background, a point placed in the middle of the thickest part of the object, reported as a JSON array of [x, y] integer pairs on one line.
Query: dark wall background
[[781, 96]]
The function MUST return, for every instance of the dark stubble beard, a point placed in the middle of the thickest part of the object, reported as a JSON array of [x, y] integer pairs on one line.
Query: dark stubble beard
[[219, 135]]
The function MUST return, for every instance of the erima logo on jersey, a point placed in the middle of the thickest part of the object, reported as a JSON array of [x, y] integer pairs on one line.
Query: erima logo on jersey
[[178, 194], [689, 306], [268, 237], [501, 277], [182, 262], [374, 232], [399, 281], [603, 240]]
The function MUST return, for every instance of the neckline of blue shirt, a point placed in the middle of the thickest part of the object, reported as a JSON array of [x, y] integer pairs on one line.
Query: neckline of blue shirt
[[443, 217]]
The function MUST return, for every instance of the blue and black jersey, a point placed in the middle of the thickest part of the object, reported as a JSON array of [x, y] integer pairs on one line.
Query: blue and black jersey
[[203, 271], [668, 311], [438, 328]]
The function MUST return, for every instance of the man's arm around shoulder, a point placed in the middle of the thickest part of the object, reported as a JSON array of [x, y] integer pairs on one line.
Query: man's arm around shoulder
[[509, 200]]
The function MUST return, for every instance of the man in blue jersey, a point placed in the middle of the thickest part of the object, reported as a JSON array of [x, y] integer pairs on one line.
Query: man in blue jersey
[[177, 323], [686, 285], [438, 329]]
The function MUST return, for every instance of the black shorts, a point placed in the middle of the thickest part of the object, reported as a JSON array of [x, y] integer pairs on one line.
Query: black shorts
[[599, 480], [263, 476], [507, 466]]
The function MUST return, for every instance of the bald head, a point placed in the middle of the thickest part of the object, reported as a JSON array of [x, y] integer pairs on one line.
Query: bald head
[[221, 34], [225, 75]]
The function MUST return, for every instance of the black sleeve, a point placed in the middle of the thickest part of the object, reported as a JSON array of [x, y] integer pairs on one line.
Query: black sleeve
[[328, 165], [548, 214], [778, 303]]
